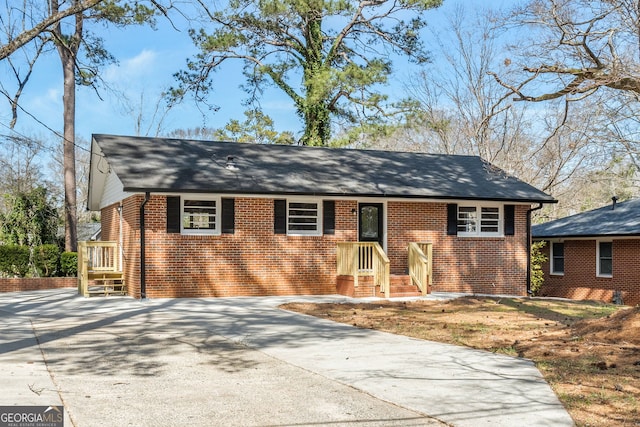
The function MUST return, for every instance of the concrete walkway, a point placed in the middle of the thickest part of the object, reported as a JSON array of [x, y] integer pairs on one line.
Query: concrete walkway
[[242, 362]]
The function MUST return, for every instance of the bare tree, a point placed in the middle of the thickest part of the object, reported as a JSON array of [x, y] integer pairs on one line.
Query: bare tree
[[76, 68], [20, 170], [586, 55], [21, 78], [22, 25], [577, 47], [462, 109]]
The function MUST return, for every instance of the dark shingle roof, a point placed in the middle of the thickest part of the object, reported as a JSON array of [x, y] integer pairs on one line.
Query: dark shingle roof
[[174, 165], [624, 220]]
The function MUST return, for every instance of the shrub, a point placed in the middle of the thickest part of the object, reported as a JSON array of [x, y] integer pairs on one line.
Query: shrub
[[46, 259], [14, 260], [537, 259], [69, 264]]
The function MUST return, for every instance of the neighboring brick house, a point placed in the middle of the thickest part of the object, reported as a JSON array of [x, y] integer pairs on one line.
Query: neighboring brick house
[[229, 219], [594, 255]]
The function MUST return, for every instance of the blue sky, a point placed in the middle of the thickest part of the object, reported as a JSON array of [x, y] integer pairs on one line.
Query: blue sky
[[147, 61]]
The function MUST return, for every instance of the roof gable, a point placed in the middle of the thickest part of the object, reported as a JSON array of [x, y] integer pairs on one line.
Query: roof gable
[[176, 165], [624, 220]]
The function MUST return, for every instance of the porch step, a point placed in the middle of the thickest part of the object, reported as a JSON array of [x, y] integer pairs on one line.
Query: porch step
[[106, 289], [400, 280], [105, 284], [400, 286]]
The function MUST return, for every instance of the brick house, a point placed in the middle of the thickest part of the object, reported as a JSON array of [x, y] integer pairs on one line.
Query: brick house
[[202, 218], [594, 255]]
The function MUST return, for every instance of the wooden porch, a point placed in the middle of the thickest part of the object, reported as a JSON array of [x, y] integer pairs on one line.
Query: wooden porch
[[100, 269], [363, 268]]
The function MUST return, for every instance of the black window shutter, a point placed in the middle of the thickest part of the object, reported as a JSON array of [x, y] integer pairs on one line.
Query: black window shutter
[[173, 214], [228, 216], [329, 217], [452, 219], [280, 216], [509, 220]]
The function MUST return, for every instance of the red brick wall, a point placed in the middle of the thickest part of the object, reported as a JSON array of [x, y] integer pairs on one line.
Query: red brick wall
[[494, 265], [254, 261], [36, 283], [130, 238], [580, 281]]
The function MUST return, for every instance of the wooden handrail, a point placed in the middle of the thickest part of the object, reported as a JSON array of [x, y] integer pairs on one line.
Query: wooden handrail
[[364, 259], [94, 258], [420, 265], [381, 270]]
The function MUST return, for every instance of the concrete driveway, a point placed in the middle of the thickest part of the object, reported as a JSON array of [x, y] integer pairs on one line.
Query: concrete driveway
[[242, 362]]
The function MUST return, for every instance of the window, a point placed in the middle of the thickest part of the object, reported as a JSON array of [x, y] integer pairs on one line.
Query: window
[[467, 219], [490, 220], [557, 258], [479, 221], [605, 259], [200, 216], [303, 217]]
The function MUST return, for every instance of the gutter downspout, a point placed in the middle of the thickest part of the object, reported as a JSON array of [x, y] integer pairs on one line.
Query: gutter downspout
[[529, 246], [143, 268]]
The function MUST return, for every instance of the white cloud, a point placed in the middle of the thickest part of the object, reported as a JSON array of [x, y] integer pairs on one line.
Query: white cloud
[[133, 69]]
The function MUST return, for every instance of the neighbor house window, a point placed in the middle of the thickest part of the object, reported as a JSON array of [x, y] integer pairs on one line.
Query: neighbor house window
[[557, 258], [479, 221], [605, 259], [303, 217], [200, 216]]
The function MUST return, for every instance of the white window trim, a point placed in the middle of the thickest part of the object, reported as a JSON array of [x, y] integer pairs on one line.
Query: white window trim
[[318, 230], [479, 206], [552, 263], [598, 274], [201, 232]]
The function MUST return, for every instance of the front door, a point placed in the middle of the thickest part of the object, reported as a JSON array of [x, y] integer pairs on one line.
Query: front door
[[370, 228]]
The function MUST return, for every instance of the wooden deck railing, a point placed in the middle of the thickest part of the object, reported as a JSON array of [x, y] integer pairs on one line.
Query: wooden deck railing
[[99, 261], [364, 259], [420, 265]]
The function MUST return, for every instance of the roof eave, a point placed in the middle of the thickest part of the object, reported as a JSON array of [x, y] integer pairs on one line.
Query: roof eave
[[584, 236], [335, 194]]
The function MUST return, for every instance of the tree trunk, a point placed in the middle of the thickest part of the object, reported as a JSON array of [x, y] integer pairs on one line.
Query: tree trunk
[[317, 129], [69, 102], [316, 115], [68, 51]]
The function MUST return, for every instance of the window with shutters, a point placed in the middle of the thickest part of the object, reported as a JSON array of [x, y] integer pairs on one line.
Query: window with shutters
[[200, 215], [479, 221]]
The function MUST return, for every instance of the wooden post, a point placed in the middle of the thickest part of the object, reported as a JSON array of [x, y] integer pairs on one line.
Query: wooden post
[[429, 269], [83, 269]]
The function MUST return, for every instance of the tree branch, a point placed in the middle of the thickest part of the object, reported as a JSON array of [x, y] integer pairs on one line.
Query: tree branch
[[27, 36]]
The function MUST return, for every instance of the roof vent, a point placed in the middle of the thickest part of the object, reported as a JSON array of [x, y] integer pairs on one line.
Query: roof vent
[[614, 199], [231, 164]]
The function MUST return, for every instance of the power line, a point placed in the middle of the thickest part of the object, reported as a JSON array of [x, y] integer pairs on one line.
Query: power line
[[50, 129], [39, 143], [42, 146]]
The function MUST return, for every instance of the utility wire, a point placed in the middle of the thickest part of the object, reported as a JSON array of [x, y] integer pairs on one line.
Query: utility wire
[[49, 128]]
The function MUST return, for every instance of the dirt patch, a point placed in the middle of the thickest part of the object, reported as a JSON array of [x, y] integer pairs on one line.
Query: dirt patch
[[589, 352]]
